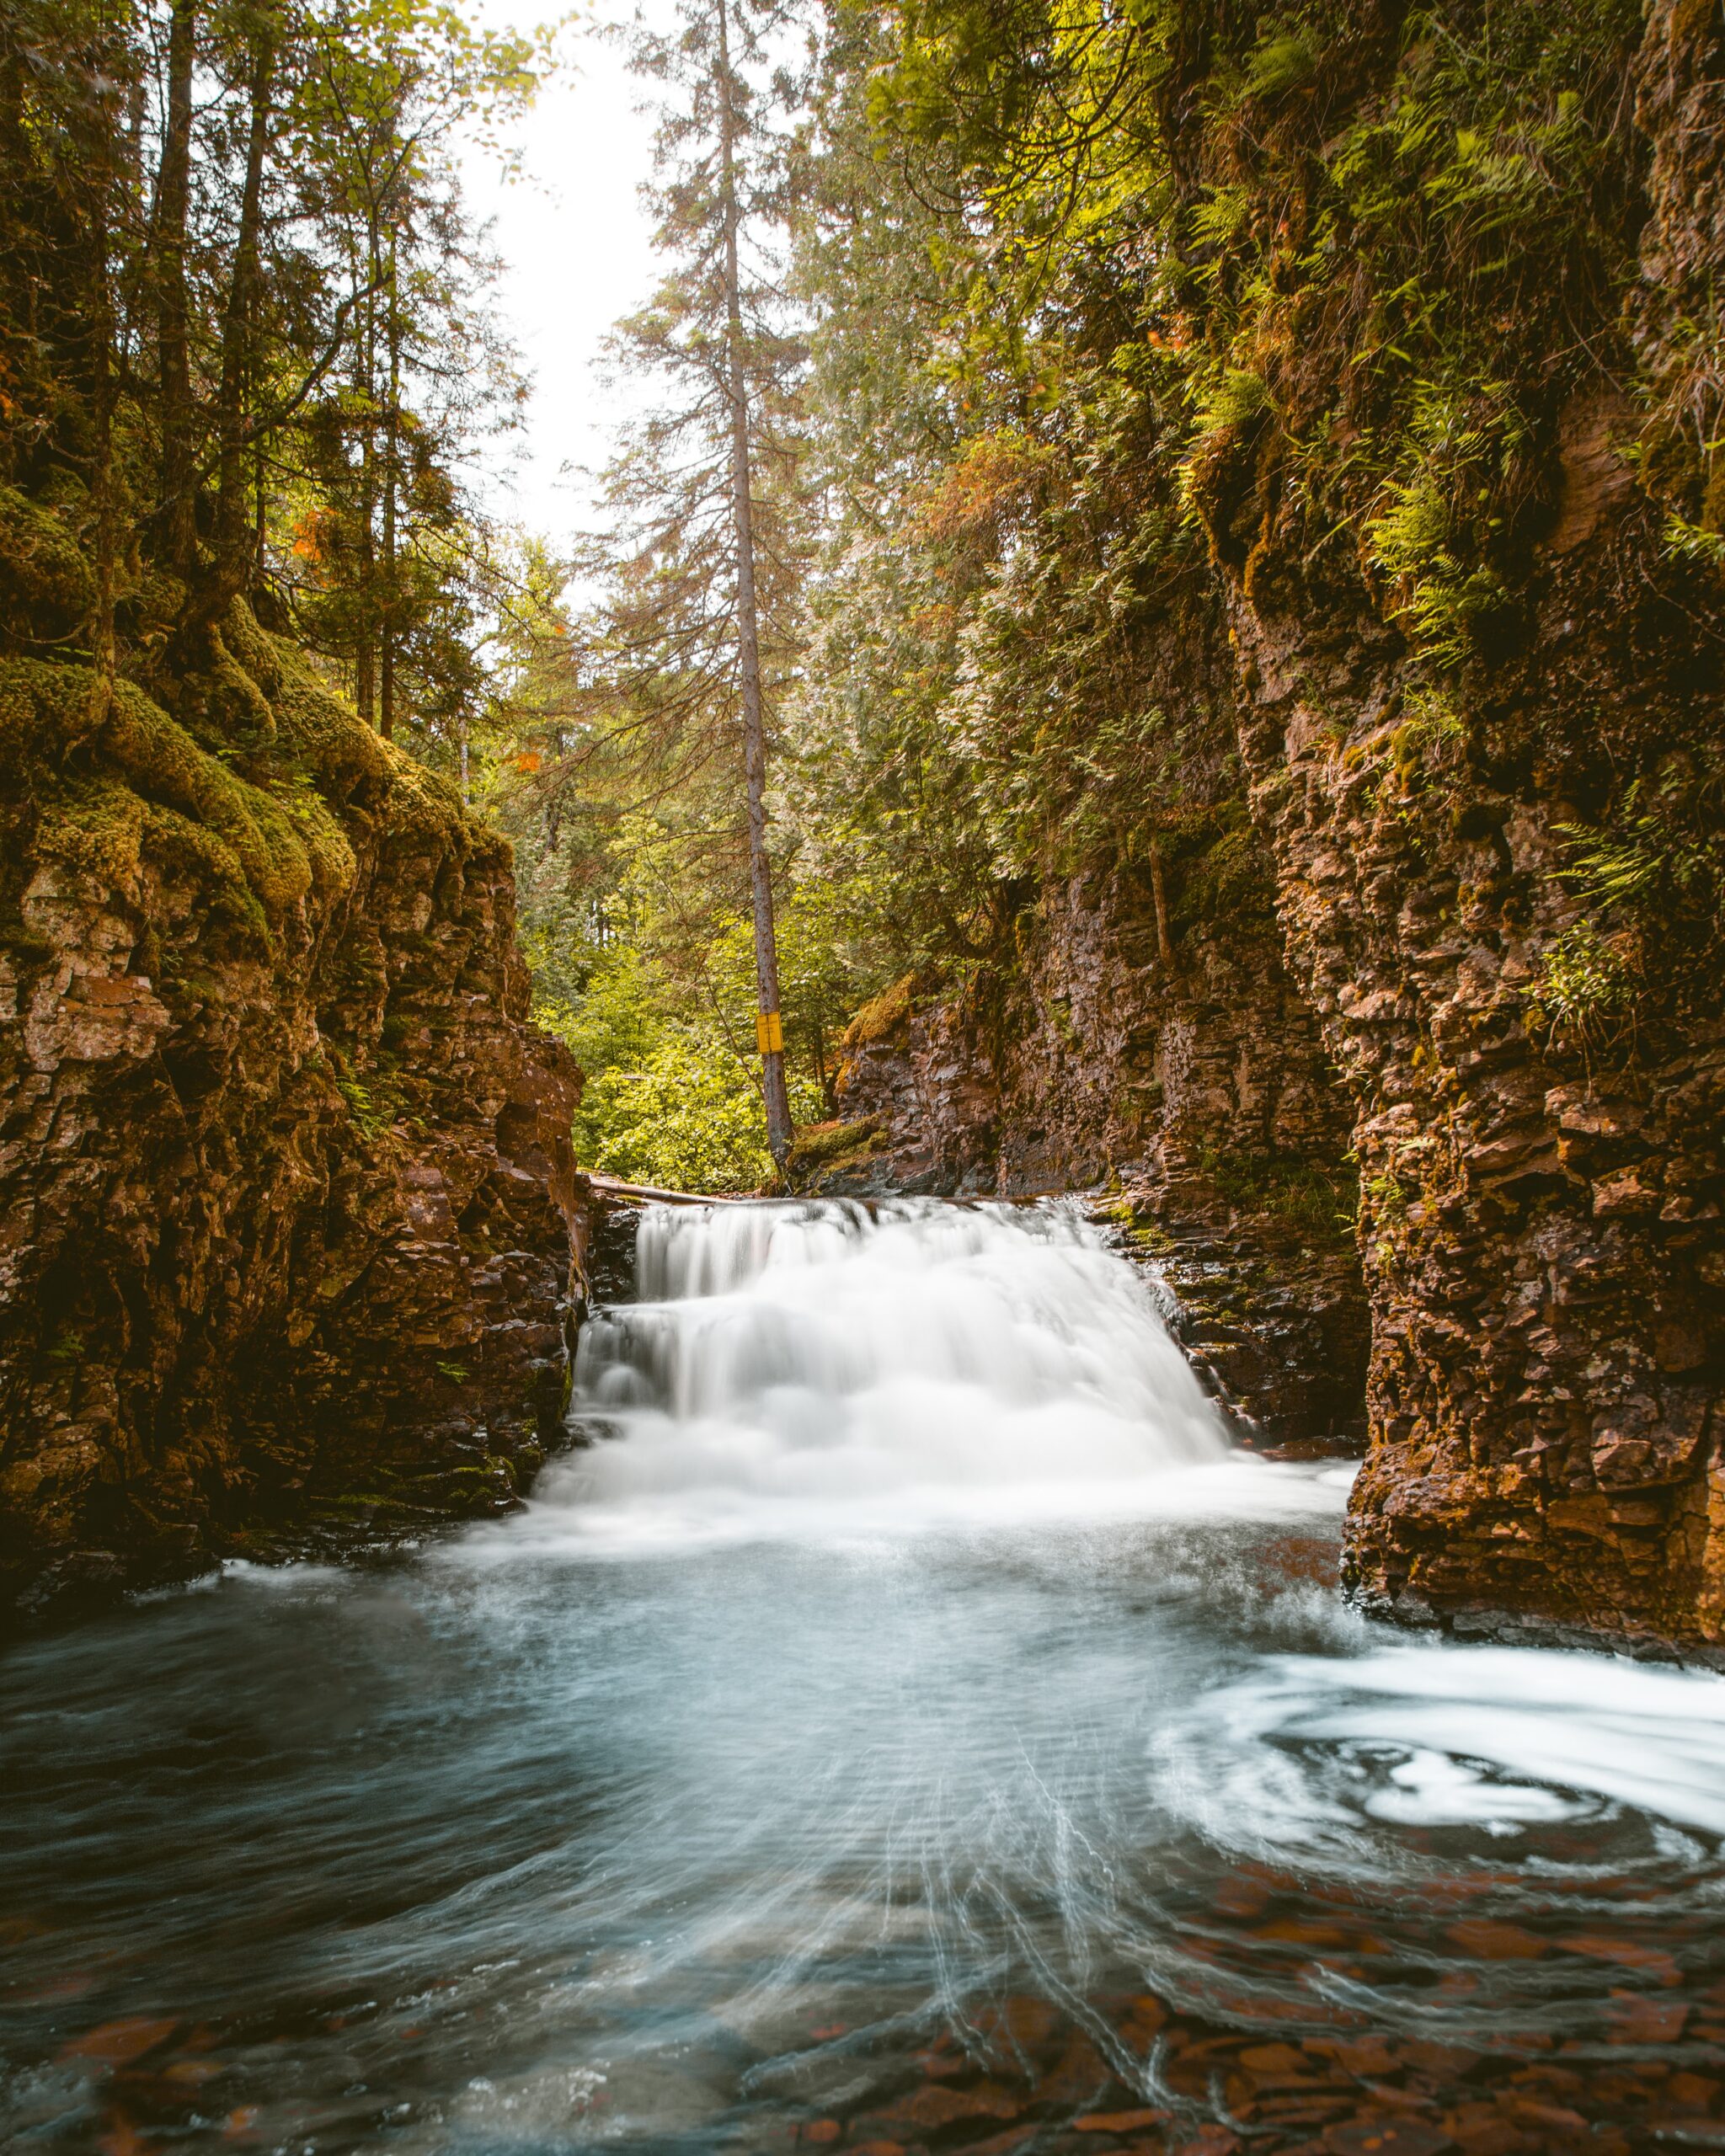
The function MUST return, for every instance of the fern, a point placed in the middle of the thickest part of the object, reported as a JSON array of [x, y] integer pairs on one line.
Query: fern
[[1412, 533], [1620, 868], [1282, 61], [1231, 398], [1587, 985], [1218, 220]]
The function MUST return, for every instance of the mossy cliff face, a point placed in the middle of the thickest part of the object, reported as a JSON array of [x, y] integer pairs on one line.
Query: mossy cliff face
[[290, 1216], [1172, 1063], [1493, 796], [1420, 308]]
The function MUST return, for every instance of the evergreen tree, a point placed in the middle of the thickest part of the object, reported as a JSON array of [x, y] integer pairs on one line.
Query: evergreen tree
[[242, 340], [696, 640]]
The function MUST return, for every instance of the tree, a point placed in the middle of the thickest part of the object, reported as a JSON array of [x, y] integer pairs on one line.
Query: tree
[[771, 1024], [378, 555], [696, 640], [243, 343]]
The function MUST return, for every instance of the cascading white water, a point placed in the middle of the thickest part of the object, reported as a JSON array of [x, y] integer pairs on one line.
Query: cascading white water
[[915, 1361]]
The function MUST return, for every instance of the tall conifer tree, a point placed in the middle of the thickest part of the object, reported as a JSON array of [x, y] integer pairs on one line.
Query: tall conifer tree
[[702, 567]]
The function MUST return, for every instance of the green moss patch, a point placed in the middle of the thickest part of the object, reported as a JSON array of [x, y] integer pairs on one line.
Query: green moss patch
[[885, 1015]]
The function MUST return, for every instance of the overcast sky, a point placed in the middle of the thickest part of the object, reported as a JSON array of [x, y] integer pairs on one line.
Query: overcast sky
[[576, 245]]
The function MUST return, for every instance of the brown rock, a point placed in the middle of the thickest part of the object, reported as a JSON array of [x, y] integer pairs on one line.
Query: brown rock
[[287, 1206]]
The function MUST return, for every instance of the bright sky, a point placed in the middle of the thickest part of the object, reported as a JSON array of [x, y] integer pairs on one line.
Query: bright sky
[[576, 244]]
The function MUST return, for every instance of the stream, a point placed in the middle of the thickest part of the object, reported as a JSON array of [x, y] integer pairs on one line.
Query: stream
[[906, 1721]]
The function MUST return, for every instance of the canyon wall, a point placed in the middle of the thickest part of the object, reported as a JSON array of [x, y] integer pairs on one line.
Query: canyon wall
[[290, 1226], [1496, 898], [1467, 547], [1163, 1057]]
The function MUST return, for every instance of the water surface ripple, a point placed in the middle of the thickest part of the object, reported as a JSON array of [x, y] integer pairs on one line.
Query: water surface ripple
[[906, 1724]]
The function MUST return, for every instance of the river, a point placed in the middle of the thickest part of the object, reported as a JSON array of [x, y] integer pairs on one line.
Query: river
[[906, 1722]]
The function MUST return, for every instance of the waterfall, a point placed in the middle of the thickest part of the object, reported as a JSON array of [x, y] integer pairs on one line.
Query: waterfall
[[819, 1361]]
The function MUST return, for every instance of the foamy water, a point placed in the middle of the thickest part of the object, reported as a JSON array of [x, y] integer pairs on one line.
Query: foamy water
[[825, 1370], [908, 1638]]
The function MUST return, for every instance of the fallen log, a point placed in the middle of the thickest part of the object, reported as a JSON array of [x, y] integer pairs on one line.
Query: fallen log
[[612, 1186]]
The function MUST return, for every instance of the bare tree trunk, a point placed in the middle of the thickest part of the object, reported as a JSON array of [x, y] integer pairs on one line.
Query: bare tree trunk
[[102, 162], [238, 331], [769, 1025], [172, 205], [364, 678], [260, 522], [391, 449]]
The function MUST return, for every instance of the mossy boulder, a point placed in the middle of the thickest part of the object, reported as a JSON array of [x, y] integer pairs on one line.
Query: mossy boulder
[[46, 590]]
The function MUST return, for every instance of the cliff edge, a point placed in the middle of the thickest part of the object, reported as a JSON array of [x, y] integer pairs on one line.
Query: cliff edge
[[290, 1224]]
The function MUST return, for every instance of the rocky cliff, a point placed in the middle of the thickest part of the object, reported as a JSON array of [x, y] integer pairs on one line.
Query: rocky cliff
[[289, 1222], [1439, 289], [1497, 870], [1157, 1055]]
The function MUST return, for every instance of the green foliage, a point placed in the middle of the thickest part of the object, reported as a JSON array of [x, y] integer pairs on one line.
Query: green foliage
[[373, 1104], [1293, 1190], [245, 345], [683, 1123], [1643, 860], [1282, 61], [1588, 985], [1232, 398], [1651, 879], [670, 1100]]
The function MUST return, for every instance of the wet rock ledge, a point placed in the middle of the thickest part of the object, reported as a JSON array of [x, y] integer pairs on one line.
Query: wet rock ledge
[[291, 1231]]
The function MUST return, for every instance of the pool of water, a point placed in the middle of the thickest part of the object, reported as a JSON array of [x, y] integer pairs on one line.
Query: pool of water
[[906, 1723]]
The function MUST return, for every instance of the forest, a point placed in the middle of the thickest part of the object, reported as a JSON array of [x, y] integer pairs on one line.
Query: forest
[[1046, 314], [876, 1302]]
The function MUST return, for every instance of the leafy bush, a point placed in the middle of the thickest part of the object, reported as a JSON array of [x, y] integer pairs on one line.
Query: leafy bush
[[668, 1100], [690, 1120], [1588, 986]]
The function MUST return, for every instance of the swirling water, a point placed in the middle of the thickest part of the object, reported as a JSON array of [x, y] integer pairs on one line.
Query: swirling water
[[907, 1723]]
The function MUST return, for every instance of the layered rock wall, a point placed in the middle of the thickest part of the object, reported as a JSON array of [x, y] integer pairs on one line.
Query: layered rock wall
[[289, 1222], [1473, 672], [1170, 1067], [1489, 898]]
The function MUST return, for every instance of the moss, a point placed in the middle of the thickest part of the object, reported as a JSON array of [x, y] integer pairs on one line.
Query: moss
[[319, 733], [163, 762], [187, 851], [426, 806], [243, 712], [263, 848], [1304, 1194], [45, 709], [96, 828], [107, 783], [328, 852], [46, 585], [885, 1015], [1227, 882], [1144, 1234], [819, 1144]]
